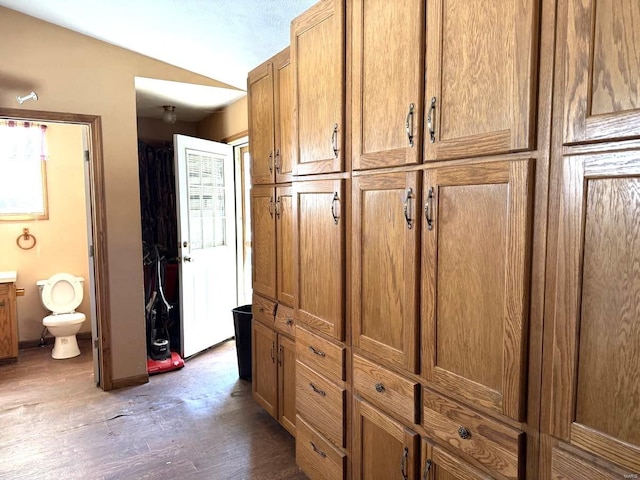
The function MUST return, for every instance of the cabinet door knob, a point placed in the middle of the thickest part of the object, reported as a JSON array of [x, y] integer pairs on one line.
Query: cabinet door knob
[[464, 433], [1, 303], [379, 387]]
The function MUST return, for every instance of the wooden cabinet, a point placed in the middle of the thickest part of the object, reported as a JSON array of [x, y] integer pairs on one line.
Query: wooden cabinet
[[480, 77], [320, 255], [438, 464], [287, 383], [284, 245], [594, 311], [317, 458], [387, 83], [599, 69], [270, 97], [566, 466], [383, 447], [384, 289], [317, 53], [8, 322], [475, 264]]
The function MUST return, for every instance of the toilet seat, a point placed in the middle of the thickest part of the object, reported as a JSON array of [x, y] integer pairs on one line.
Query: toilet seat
[[62, 293], [63, 318]]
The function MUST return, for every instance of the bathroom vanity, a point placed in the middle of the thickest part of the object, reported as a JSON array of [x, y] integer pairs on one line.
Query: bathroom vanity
[[8, 317]]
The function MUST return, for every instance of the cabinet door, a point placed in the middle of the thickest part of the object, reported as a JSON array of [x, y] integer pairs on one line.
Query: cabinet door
[[263, 241], [317, 52], [283, 73], [385, 268], [601, 69], [475, 263], [565, 466], [383, 447], [287, 383], [387, 82], [594, 397], [8, 322], [264, 374], [437, 464], [319, 255], [284, 243], [481, 59], [261, 121]]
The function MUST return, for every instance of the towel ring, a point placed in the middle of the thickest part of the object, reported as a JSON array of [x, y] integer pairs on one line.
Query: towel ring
[[27, 237]]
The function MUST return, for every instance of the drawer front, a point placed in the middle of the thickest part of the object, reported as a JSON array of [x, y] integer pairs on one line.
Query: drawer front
[[317, 458], [285, 323], [565, 466], [385, 389], [498, 447], [321, 403], [263, 310], [320, 355], [4, 288]]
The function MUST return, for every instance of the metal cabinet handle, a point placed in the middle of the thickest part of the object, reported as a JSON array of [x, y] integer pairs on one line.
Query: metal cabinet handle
[[1, 303], [271, 206], [406, 208], [427, 468], [379, 387], [317, 390], [273, 352], [408, 125], [270, 162], [288, 321], [334, 140], [278, 207], [430, 117], [317, 352], [317, 450], [403, 463], [428, 209], [278, 160], [336, 200], [464, 433]]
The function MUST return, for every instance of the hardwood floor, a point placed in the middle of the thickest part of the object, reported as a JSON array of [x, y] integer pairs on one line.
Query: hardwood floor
[[196, 423]]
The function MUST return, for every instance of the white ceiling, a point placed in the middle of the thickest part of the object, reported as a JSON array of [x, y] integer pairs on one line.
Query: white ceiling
[[221, 39]]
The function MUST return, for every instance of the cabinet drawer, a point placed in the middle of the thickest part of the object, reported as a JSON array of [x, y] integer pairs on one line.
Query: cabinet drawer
[[321, 403], [4, 288], [320, 355], [316, 456], [385, 389], [285, 323], [498, 447], [263, 310]]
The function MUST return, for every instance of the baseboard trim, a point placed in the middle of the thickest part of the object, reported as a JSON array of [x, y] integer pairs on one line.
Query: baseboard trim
[[130, 381], [50, 340]]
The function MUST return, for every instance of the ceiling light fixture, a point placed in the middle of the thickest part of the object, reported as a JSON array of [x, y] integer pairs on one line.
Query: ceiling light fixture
[[169, 115]]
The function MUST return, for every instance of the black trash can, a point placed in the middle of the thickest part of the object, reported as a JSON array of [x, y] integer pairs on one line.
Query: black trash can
[[242, 325]]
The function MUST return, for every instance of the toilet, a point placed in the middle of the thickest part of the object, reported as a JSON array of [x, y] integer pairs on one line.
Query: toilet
[[62, 294]]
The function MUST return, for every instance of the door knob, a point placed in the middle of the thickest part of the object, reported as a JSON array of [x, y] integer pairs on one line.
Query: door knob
[[187, 259]]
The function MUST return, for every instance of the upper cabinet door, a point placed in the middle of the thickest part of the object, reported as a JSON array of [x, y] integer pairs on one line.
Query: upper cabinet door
[[601, 69], [284, 242], [317, 52], [261, 121], [475, 272], [263, 241], [387, 82], [320, 255], [595, 307], [385, 267], [283, 90], [481, 72]]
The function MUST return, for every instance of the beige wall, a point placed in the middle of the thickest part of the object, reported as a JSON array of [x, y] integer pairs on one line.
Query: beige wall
[[61, 241], [229, 122], [77, 74], [155, 130]]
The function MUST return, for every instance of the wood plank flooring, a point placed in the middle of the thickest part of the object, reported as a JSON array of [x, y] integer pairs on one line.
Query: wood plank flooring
[[196, 423]]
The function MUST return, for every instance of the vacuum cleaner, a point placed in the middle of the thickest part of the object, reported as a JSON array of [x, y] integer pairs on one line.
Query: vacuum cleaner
[[160, 358]]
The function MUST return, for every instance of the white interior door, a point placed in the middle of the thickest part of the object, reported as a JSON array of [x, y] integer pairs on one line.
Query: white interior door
[[207, 241]]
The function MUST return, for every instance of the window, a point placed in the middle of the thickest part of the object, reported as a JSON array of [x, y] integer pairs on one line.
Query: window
[[23, 185]]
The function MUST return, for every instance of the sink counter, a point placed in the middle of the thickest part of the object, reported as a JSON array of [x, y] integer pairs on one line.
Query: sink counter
[[8, 277]]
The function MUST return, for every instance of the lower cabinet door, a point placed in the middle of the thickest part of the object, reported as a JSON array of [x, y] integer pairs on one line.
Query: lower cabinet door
[[438, 464], [383, 448], [264, 385], [287, 383]]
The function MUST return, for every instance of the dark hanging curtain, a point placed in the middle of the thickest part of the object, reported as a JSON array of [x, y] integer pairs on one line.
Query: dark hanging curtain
[[158, 198]]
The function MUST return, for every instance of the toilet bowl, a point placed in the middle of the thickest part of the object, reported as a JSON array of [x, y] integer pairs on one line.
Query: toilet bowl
[[61, 295]]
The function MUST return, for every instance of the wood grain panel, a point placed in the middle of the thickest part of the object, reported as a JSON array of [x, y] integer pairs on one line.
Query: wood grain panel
[[264, 372], [283, 91], [385, 267], [284, 244], [387, 79], [316, 456], [285, 321], [287, 384], [437, 464], [321, 403], [322, 356], [261, 123], [8, 322], [480, 71], [601, 68], [263, 241], [565, 466], [317, 52], [263, 310]]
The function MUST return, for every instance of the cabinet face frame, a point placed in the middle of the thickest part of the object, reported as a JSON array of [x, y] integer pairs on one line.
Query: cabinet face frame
[[518, 176], [330, 290], [284, 245], [264, 368], [577, 33], [261, 123], [521, 111], [407, 73], [307, 110], [404, 288], [265, 284], [566, 303]]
